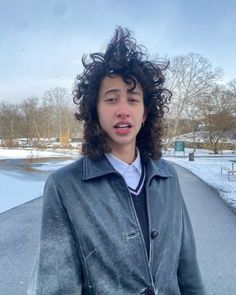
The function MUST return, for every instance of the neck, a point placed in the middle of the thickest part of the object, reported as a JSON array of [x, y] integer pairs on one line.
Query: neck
[[126, 155]]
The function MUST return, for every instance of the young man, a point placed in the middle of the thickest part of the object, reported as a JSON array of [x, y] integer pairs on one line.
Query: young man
[[114, 222]]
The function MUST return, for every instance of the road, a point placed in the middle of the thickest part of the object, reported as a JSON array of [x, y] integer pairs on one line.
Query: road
[[213, 223]]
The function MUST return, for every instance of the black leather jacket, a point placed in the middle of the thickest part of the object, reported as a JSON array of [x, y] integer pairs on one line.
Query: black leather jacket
[[91, 241]]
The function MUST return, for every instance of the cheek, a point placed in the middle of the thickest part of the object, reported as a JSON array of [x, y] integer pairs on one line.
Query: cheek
[[142, 114], [99, 114], [103, 120], [100, 120]]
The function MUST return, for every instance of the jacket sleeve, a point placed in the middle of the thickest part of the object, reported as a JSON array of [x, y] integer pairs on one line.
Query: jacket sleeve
[[57, 269], [189, 277]]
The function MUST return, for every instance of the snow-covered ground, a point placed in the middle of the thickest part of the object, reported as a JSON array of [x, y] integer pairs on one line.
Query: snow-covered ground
[[17, 187], [30, 153], [208, 167]]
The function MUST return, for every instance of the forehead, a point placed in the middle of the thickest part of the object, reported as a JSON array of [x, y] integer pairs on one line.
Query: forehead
[[117, 83]]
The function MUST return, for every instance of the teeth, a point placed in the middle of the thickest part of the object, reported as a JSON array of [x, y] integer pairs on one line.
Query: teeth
[[122, 126]]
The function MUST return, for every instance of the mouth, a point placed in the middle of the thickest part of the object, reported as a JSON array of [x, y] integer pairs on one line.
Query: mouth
[[123, 126]]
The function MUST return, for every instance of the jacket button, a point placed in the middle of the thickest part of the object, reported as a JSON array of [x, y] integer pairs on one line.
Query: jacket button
[[154, 234], [149, 291]]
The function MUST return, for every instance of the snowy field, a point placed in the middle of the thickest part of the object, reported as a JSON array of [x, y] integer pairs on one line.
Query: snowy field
[[18, 186]]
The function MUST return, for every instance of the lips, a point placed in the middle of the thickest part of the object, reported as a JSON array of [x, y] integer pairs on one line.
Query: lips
[[122, 125], [123, 128]]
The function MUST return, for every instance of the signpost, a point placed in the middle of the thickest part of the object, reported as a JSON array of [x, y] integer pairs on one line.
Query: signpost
[[179, 147]]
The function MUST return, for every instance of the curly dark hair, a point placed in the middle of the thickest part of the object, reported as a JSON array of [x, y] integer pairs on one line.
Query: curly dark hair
[[125, 58]]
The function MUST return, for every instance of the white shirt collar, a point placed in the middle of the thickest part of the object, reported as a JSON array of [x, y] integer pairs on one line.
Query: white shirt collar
[[122, 166]]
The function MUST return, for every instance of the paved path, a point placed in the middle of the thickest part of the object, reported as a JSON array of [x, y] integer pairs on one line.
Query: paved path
[[19, 234], [215, 231], [214, 226]]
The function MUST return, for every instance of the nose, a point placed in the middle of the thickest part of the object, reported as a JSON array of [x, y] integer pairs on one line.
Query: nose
[[122, 114], [122, 109]]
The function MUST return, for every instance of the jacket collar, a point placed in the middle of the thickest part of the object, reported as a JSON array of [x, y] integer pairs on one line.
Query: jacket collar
[[101, 167], [159, 168]]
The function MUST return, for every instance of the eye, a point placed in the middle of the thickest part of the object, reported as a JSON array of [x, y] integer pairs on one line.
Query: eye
[[133, 100], [111, 100]]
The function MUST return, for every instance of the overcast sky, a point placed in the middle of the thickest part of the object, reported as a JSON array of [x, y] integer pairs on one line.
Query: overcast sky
[[42, 41]]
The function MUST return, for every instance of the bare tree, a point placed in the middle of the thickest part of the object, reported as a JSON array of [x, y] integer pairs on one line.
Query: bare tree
[[47, 120], [31, 118], [189, 77], [232, 88], [218, 115], [52, 116], [193, 114], [57, 101], [10, 120]]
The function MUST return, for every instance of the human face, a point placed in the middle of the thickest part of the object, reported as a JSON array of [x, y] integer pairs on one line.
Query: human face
[[121, 112]]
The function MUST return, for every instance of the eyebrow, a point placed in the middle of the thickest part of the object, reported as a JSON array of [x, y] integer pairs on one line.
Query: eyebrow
[[111, 91], [134, 92], [115, 90]]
